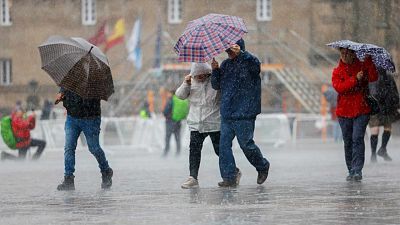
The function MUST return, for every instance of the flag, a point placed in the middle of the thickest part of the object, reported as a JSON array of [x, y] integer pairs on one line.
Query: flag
[[157, 53], [133, 45], [117, 36], [100, 37]]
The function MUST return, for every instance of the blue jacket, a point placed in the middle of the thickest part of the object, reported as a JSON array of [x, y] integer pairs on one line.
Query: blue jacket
[[240, 84]]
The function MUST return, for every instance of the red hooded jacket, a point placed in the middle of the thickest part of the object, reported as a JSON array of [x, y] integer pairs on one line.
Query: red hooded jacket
[[22, 129], [351, 92]]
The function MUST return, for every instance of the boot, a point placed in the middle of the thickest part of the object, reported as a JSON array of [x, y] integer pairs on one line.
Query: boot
[[373, 158], [262, 175], [67, 184], [106, 178], [382, 152]]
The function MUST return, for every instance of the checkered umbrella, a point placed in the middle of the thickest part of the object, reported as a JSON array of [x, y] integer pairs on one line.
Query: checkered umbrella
[[208, 36], [380, 56], [78, 66]]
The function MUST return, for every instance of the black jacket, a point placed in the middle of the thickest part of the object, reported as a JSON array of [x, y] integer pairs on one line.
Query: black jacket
[[80, 108], [385, 91]]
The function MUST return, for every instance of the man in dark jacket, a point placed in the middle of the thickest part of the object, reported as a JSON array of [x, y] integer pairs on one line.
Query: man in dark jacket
[[239, 80], [171, 126], [83, 115]]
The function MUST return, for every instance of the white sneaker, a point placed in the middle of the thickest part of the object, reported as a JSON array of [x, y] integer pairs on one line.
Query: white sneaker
[[238, 176], [190, 183]]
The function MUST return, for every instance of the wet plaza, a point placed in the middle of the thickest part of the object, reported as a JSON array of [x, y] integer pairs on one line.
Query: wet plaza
[[306, 186]]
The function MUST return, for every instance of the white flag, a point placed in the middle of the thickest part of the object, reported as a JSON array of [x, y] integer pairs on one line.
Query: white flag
[[133, 45]]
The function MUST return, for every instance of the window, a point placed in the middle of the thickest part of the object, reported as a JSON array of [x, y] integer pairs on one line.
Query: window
[[5, 72], [174, 11], [5, 6], [88, 12], [264, 10]]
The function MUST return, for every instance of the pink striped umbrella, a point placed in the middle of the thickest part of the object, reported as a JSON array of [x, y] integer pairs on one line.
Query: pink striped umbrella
[[208, 36]]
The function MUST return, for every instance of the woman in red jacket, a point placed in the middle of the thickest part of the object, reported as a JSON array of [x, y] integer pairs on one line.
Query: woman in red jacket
[[350, 79]]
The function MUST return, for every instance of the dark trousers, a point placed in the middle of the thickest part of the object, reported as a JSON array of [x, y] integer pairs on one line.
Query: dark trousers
[[195, 147], [23, 151], [172, 127], [244, 131], [353, 130]]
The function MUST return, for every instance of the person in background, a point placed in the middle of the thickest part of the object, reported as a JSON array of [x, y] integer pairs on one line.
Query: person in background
[[21, 128], [174, 112], [385, 91], [46, 110], [350, 79], [331, 96]]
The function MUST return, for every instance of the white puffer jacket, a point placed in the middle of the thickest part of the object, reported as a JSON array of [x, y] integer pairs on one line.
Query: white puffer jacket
[[204, 103]]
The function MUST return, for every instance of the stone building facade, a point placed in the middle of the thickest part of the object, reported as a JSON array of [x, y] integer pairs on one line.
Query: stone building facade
[[280, 31]]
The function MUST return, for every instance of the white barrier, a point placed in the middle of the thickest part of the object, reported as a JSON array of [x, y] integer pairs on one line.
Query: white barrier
[[149, 133]]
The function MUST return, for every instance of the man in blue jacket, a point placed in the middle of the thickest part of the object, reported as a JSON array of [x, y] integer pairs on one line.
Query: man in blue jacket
[[239, 80]]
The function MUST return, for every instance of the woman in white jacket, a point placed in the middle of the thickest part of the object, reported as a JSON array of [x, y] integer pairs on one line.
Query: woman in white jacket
[[204, 116]]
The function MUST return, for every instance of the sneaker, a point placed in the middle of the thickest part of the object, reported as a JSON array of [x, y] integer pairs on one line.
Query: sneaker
[[373, 158], [382, 152], [262, 175], [106, 178], [191, 182], [357, 177], [227, 183], [67, 184], [349, 177], [238, 176]]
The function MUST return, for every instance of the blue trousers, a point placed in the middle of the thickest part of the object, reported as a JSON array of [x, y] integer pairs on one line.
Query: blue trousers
[[353, 130], [244, 131], [91, 130]]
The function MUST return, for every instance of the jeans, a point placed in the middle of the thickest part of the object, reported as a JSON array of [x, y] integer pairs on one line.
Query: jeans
[[91, 130], [196, 144], [353, 130], [172, 127], [244, 131]]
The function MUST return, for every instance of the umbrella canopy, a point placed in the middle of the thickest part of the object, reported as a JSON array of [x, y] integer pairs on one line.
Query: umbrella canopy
[[78, 66], [380, 56], [208, 36]]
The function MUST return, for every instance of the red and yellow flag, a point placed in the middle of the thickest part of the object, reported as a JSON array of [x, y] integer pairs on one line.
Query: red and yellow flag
[[117, 36]]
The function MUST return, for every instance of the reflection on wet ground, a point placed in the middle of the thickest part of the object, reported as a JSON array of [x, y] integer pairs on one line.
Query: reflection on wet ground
[[306, 186]]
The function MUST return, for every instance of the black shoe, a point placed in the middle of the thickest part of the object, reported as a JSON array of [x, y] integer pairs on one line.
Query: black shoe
[[373, 158], [349, 177], [357, 177], [227, 183], [262, 175], [382, 152], [67, 184], [106, 178]]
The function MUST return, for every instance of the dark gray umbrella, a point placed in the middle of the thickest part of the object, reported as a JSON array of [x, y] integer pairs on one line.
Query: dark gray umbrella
[[78, 66]]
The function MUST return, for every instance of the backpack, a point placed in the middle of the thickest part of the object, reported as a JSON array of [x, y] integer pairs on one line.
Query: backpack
[[180, 109], [7, 132]]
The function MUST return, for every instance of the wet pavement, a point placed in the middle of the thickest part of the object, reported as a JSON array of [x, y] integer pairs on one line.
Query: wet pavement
[[306, 186]]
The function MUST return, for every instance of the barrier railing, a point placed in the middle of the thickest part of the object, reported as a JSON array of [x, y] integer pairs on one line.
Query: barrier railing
[[149, 133]]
